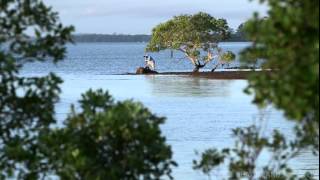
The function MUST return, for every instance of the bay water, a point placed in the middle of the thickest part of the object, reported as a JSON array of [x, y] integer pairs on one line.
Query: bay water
[[200, 113]]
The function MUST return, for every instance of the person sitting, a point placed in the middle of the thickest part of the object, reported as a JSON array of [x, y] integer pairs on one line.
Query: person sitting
[[149, 62]]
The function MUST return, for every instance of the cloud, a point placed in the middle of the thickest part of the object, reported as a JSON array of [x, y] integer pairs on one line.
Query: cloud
[[83, 13], [162, 11], [150, 8]]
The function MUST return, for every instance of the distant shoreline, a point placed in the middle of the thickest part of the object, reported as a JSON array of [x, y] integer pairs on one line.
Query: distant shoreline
[[127, 38]]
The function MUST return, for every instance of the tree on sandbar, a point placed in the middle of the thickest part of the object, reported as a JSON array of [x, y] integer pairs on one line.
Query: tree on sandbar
[[196, 36]]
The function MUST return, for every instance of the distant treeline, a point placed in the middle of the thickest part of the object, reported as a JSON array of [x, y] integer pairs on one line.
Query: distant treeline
[[110, 38], [235, 37]]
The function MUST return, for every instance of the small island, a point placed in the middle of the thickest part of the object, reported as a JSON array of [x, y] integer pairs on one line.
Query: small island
[[197, 37]]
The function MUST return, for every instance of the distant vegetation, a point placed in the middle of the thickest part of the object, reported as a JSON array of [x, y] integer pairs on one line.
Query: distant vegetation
[[110, 38], [235, 36]]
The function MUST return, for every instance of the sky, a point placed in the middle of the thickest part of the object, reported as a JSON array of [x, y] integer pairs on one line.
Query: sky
[[140, 16]]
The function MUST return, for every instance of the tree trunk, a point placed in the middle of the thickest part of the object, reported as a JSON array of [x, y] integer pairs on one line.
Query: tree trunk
[[196, 69], [215, 67], [197, 64]]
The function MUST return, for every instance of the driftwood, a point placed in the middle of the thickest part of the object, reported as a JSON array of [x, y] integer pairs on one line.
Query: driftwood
[[145, 70]]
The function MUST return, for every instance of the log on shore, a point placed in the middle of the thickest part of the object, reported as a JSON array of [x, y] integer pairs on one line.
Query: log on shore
[[143, 70]]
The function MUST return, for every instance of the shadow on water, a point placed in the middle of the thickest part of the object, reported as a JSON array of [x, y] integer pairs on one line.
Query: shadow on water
[[187, 86]]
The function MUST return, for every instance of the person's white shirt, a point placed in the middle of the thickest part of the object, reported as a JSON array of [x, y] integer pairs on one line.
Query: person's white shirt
[[150, 63]]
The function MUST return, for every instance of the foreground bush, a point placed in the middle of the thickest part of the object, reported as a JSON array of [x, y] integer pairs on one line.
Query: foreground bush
[[111, 140]]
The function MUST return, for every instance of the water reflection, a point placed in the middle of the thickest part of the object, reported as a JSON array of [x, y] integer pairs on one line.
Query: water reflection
[[200, 112], [187, 86]]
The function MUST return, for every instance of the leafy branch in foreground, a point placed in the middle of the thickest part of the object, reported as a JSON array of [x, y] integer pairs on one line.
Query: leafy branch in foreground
[[250, 145], [118, 140], [29, 31], [287, 44], [105, 140]]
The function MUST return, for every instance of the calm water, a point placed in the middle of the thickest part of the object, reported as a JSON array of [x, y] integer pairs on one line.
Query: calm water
[[118, 58], [200, 112]]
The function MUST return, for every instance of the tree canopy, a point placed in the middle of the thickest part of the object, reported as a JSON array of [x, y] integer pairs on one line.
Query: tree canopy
[[29, 31], [114, 140], [287, 42], [197, 36], [106, 140]]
